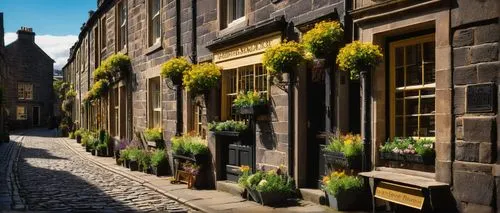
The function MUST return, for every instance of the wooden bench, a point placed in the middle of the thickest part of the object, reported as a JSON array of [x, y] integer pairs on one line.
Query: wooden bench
[[423, 193]]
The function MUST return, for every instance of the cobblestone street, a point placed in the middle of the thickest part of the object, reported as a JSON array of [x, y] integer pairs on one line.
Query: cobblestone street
[[53, 178]]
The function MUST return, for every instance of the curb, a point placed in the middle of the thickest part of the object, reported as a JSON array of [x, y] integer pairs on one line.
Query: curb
[[17, 202], [131, 177]]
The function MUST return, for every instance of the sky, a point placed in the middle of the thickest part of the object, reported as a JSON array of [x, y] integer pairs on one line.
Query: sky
[[56, 23]]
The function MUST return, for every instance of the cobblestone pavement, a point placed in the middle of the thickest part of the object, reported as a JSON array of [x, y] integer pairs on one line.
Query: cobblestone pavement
[[53, 178]]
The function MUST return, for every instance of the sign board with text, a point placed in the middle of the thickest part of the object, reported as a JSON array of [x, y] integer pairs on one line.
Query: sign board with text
[[481, 98], [400, 194]]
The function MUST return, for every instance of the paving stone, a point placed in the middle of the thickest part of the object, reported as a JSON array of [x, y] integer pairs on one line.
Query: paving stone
[[53, 178]]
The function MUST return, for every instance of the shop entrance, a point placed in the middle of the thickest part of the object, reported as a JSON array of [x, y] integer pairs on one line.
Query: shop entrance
[[316, 114]]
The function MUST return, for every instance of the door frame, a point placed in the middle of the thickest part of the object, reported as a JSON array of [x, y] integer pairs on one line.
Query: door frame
[[33, 113]]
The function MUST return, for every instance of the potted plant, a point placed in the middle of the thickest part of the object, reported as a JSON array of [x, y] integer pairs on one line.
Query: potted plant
[[174, 69], [201, 78], [192, 170], [117, 65], [133, 156], [345, 192], [159, 162], [78, 135], [283, 57], [268, 188], [344, 152], [250, 103], [144, 161], [122, 145], [323, 40], [410, 150], [125, 157], [154, 136], [228, 128], [194, 150]]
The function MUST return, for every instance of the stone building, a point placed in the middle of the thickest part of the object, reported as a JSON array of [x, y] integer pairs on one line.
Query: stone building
[[448, 49], [28, 96]]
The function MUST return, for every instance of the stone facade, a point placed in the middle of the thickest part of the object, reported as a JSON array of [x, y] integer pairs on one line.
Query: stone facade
[[466, 36], [29, 65]]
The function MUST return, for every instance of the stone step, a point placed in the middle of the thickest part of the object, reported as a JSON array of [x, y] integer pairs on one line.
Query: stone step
[[313, 195], [230, 187]]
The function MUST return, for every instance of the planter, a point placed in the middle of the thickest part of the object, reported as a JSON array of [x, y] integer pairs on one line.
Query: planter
[[253, 110], [272, 198], [126, 164], [350, 200], [78, 139], [87, 149], [411, 158], [133, 165], [160, 170], [101, 153], [93, 152], [339, 160]]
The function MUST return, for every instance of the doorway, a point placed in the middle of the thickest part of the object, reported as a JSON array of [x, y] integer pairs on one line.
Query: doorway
[[316, 115], [36, 116]]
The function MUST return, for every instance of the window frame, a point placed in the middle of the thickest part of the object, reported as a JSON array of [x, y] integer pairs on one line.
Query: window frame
[[25, 113], [121, 25], [392, 83], [230, 17], [25, 88], [153, 108], [232, 81], [151, 19], [103, 34]]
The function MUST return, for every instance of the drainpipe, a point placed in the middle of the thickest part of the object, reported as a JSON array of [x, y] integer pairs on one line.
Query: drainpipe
[[365, 120], [291, 126], [178, 53], [194, 55]]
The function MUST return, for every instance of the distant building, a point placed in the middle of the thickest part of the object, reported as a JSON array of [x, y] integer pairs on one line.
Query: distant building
[[29, 96]]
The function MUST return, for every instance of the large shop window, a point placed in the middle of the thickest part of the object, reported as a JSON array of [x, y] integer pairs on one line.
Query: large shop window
[[154, 22], [25, 91], [122, 25], [242, 79], [413, 87], [154, 103]]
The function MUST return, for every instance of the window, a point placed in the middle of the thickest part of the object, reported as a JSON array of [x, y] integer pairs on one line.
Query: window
[[115, 112], [103, 33], [25, 91], [413, 87], [96, 48], [154, 103], [242, 79], [232, 12], [154, 22], [21, 113], [198, 120], [122, 25]]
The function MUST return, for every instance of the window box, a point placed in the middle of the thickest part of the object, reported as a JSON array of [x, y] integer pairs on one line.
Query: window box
[[253, 110], [339, 160], [411, 158]]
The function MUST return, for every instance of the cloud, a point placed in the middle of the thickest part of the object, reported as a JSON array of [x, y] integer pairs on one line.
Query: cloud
[[57, 47]]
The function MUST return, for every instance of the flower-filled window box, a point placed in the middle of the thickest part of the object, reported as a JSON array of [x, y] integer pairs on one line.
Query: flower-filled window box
[[344, 152], [228, 128], [250, 103], [410, 150], [346, 192], [267, 188]]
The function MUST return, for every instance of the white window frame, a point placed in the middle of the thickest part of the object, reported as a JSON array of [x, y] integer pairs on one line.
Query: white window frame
[[153, 38], [154, 108]]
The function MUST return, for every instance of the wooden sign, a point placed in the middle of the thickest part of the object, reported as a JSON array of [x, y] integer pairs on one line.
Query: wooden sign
[[481, 98], [403, 195]]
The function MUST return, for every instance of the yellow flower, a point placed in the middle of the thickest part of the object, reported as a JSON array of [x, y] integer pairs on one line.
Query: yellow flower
[[244, 168], [325, 180]]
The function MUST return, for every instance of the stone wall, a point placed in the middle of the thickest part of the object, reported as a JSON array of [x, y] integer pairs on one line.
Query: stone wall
[[476, 36]]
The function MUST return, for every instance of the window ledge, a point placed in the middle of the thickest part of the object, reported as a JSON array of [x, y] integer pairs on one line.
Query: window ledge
[[233, 27], [124, 50], [153, 48]]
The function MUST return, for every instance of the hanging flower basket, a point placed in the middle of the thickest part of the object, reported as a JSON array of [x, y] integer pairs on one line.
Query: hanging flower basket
[[174, 69], [283, 57], [358, 56], [201, 78], [323, 40]]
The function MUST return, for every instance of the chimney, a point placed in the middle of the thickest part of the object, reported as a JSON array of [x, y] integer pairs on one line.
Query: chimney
[[26, 33], [2, 32], [91, 13]]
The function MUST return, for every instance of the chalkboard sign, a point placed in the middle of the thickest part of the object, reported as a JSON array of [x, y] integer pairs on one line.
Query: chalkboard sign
[[481, 98]]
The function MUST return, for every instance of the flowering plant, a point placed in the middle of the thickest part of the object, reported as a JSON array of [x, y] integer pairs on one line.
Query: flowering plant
[[191, 168], [153, 134], [201, 78], [270, 181], [249, 99], [423, 147], [188, 145], [337, 182], [116, 63], [175, 68], [350, 145], [357, 56], [283, 56], [229, 125], [322, 39]]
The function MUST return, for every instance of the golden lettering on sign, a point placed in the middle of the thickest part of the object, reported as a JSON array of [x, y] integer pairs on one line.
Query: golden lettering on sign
[[246, 49], [402, 195]]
